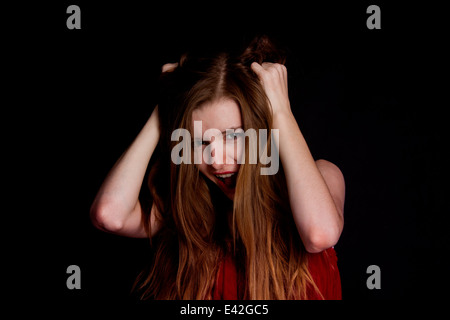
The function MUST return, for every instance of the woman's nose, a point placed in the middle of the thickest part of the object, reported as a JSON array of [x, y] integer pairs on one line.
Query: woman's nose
[[218, 155], [221, 155]]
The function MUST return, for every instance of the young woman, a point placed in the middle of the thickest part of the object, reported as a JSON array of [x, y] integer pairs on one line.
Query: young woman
[[220, 229]]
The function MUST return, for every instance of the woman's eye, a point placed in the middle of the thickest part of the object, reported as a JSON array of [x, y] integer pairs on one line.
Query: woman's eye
[[231, 136]]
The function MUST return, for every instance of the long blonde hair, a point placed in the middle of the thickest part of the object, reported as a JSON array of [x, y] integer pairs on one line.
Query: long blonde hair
[[257, 228]]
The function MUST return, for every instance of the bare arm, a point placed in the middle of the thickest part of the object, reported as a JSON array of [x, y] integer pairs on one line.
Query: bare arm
[[116, 207], [316, 188]]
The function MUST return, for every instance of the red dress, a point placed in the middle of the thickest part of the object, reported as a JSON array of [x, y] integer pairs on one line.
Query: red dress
[[322, 266]]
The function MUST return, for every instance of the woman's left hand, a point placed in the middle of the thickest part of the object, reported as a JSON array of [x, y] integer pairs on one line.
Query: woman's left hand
[[273, 77]]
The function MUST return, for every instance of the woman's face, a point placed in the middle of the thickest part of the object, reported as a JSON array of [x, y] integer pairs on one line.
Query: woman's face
[[218, 149]]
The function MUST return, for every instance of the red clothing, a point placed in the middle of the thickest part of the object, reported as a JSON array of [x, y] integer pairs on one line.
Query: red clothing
[[324, 270], [322, 266]]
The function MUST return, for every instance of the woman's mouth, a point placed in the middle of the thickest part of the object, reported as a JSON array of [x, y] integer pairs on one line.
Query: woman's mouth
[[227, 179]]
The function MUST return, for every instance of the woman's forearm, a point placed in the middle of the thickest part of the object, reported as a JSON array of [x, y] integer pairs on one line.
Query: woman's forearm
[[118, 196], [317, 218]]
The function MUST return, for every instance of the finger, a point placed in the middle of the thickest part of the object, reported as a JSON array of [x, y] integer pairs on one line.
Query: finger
[[169, 67], [267, 65], [257, 68]]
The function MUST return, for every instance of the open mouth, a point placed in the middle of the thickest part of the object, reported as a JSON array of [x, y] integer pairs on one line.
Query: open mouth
[[227, 179]]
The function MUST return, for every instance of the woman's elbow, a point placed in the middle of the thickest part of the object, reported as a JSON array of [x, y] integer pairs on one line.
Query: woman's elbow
[[103, 218], [321, 240]]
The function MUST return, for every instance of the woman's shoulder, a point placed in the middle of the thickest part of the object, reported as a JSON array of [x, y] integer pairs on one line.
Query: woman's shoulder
[[335, 181], [328, 168]]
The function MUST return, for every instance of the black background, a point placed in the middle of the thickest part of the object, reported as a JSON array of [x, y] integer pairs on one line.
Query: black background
[[355, 93]]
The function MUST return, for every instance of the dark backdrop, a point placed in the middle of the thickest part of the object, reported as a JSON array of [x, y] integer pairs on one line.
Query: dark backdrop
[[354, 92]]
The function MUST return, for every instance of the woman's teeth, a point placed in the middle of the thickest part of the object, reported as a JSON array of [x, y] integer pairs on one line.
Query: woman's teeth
[[223, 176]]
